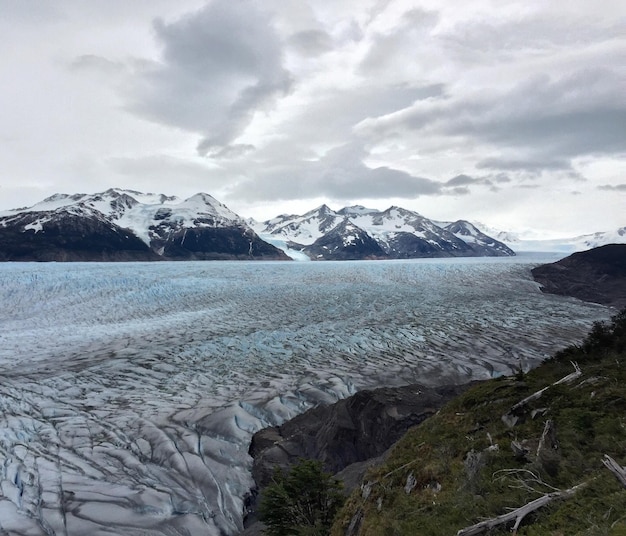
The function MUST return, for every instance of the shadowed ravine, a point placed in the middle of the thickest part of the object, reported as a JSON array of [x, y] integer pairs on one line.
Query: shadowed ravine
[[130, 392]]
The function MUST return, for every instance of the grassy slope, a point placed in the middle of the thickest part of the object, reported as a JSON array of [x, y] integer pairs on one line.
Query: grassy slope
[[451, 493]]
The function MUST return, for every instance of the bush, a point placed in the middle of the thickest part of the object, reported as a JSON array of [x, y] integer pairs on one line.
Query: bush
[[301, 502]]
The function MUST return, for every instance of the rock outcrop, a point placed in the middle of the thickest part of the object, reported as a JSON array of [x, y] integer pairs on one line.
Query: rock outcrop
[[346, 434], [597, 275], [69, 237]]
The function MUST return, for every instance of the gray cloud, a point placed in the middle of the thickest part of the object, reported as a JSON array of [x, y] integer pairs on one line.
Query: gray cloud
[[340, 175], [99, 64], [459, 190], [529, 186], [460, 184], [311, 42], [523, 164], [398, 46], [613, 187], [331, 117], [147, 172], [234, 151], [32, 12], [570, 116], [546, 120], [219, 65], [463, 180], [527, 33]]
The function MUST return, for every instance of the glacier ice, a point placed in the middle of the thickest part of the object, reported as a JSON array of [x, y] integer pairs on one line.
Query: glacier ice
[[130, 392]]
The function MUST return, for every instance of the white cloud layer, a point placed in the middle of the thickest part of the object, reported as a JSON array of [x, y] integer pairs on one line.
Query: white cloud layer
[[510, 112]]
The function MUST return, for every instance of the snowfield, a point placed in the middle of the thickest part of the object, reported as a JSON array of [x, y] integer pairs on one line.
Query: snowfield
[[130, 392]]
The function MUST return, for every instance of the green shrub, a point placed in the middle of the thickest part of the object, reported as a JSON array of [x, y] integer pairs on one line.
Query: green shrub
[[302, 502]]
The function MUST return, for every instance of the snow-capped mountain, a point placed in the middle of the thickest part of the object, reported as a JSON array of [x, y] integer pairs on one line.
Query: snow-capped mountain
[[304, 229], [345, 241], [398, 232], [565, 245], [481, 243], [128, 225]]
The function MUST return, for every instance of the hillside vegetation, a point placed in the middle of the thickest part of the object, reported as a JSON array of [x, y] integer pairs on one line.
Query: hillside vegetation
[[540, 436]]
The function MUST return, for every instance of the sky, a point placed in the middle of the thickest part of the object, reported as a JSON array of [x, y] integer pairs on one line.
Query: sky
[[511, 113]]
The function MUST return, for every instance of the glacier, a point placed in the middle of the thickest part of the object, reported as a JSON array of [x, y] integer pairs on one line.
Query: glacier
[[130, 391]]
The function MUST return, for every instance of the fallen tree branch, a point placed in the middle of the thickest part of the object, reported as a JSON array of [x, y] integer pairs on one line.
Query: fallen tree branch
[[549, 434], [615, 468], [522, 479], [519, 513], [565, 379]]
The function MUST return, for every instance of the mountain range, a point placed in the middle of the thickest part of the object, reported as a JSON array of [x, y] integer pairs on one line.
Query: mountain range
[[565, 245], [125, 225], [358, 232]]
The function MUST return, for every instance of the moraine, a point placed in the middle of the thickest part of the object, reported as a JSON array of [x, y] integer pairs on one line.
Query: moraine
[[130, 392]]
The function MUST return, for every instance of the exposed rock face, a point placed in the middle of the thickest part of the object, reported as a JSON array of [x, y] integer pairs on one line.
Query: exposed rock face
[[354, 429], [347, 436], [597, 275], [347, 433], [70, 237]]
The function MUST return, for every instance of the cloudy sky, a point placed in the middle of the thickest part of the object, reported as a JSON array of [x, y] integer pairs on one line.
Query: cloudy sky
[[510, 113]]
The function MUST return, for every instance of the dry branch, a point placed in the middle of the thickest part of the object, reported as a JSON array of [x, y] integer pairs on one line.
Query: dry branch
[[548, 435], [615, 468], [565, 379], [518, 514]]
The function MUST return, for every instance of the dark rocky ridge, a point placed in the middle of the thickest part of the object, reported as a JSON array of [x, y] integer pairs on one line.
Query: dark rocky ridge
[[344, 435], [71, 237], [80, 233], [597, 275]]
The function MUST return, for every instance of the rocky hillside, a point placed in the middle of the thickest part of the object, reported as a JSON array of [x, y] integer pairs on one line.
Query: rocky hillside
[[597, 275], [527, 452], [542, 453], [124, 225]]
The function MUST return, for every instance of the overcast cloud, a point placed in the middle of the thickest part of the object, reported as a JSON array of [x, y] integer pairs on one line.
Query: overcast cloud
[[509, 112]]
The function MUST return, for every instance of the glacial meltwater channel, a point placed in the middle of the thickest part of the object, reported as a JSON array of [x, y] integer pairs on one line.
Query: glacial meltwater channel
[[129, 392]]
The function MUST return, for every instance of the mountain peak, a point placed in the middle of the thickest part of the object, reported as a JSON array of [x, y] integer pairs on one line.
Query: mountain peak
[[356, 210]]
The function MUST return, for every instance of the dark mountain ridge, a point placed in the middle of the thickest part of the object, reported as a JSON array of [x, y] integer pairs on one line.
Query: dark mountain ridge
[[597, 275]]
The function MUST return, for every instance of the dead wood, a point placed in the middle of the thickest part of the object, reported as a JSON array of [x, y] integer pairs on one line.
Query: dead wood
[[548, 436], [615, 468], [509, 418], [519, 513], [520, 451]]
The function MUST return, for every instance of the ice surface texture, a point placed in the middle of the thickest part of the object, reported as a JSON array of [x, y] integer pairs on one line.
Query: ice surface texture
[[129, 392]]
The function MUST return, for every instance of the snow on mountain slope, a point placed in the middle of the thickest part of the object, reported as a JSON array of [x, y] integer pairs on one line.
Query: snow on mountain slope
[[304, 229], [356, 210], [401, 233], [566, 245], [345, 241], [595, 240], [199, 227], [480, 242]]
